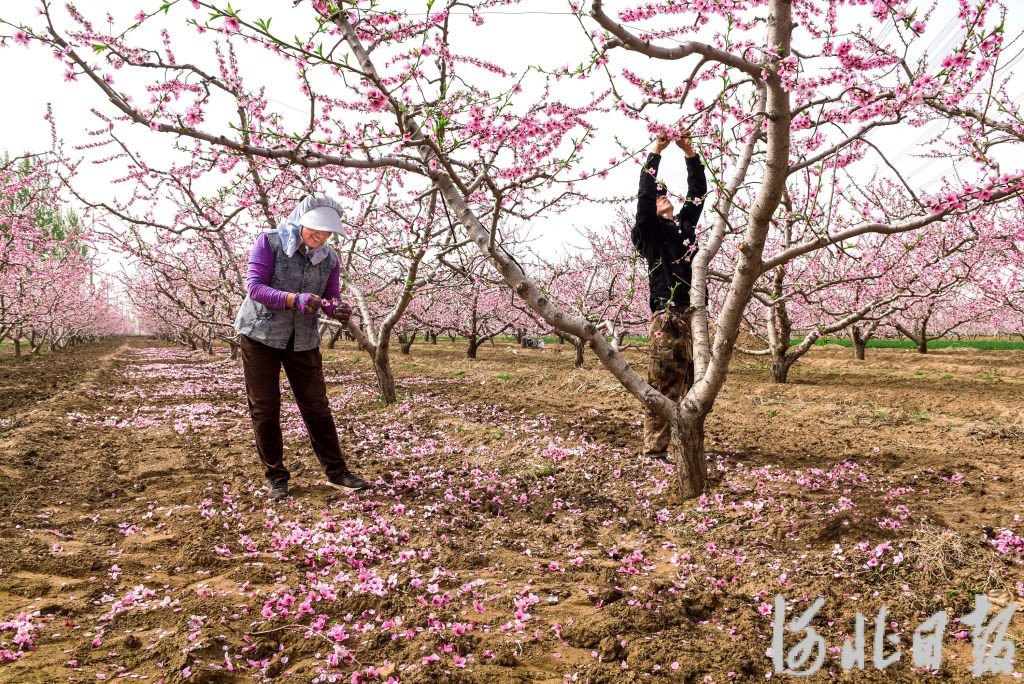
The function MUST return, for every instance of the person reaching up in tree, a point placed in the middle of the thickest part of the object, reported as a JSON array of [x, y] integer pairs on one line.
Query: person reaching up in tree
[[667, 241]]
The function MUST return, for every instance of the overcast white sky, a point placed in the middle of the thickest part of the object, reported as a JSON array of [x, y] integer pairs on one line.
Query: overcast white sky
[[537, 31]]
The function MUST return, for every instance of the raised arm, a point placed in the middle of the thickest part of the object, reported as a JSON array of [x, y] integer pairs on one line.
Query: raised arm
[[647, 197], [696, 186]]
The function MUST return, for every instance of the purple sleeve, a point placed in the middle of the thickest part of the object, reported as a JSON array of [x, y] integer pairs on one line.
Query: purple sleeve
[[259, 273], [333, 288]]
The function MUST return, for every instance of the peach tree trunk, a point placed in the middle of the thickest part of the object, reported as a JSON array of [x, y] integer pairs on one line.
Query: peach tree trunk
[[687, 447], [385, 378]]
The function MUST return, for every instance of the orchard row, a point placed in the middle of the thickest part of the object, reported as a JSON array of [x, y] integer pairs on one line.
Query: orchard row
[[447, 149]]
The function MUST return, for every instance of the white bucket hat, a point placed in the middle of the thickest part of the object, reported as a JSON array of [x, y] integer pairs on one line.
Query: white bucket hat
[[322, 218]]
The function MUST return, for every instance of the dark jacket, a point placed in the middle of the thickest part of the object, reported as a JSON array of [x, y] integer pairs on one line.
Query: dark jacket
[[668, 245]]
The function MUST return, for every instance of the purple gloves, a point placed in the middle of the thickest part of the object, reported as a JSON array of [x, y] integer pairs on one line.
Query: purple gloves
[[342, 313], [311, 305], [308, 304], [338, 310]]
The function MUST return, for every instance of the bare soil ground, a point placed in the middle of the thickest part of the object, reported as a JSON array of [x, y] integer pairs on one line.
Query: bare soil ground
[[512, 534]]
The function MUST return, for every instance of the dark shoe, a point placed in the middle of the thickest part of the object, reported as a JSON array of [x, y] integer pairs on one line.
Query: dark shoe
[[348, 482], [660, 457], [278, 490]]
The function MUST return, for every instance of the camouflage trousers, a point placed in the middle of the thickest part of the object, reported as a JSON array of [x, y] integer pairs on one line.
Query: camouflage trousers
[[669, 370]]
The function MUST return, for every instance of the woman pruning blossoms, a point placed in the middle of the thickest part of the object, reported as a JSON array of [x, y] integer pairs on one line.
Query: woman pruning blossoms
[[292, 277]]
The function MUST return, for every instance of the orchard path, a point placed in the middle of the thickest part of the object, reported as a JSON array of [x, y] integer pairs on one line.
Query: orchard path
[[512, 534]]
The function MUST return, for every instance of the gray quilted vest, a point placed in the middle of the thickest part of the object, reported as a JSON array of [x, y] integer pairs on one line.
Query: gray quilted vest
[[291, 274]]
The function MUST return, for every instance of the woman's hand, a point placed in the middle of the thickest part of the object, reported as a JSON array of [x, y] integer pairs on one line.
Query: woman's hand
[[338, 310], [342, 313], [660, 143], [684, 142], [308, 304]]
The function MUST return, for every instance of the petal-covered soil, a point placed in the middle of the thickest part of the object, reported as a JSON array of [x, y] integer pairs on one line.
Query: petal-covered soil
[[512, 533]]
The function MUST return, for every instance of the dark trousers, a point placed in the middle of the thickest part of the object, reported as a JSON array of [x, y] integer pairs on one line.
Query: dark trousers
[[262, 365]]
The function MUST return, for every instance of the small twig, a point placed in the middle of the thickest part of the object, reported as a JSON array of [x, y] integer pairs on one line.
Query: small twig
[[269, 631], [293, 628]]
